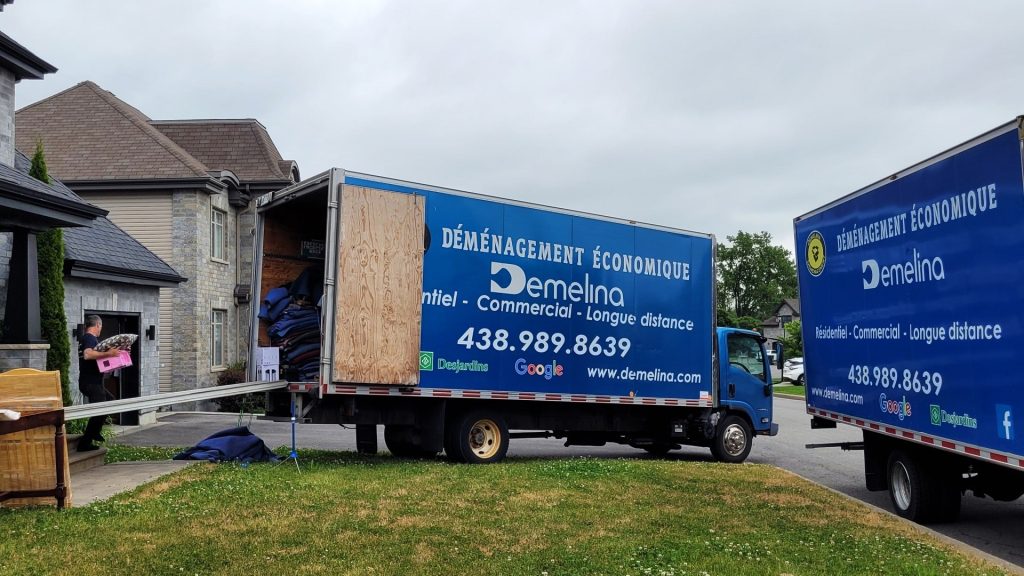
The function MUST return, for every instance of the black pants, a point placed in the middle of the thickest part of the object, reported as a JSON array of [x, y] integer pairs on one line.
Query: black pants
[[94, 393]]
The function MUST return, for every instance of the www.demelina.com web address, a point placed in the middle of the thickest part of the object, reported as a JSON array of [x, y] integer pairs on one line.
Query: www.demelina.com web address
[[838, 395], [655, 375]]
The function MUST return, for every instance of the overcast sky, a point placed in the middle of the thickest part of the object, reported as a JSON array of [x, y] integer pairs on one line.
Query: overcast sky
[[710, 116]]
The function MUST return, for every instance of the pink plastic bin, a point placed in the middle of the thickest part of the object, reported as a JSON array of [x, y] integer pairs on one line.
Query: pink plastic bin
[[123, 358]]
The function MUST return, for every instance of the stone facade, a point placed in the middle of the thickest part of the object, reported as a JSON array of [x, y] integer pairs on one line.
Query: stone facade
[[81, 295], [7, 81], [23, 356], [5, 271], [210, 287]]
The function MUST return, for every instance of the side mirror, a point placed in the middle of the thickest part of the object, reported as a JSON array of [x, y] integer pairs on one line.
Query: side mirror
[[778, 355]]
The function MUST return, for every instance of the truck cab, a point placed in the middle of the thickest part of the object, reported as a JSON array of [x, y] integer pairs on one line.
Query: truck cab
[[745, 381]]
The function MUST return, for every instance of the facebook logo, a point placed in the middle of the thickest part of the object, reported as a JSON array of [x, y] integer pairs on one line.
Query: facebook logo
[[1004, 421]]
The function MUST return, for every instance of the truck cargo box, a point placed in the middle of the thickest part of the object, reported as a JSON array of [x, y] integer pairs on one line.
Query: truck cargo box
[[428, 288], [912, 297]]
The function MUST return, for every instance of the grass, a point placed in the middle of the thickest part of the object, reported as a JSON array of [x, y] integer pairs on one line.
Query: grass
[[351, 514], [788, 389]]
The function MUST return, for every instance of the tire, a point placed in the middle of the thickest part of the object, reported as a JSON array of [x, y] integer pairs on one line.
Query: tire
[[732, 440], [476, 437], [921, 492], [401, 442], [800, 380]]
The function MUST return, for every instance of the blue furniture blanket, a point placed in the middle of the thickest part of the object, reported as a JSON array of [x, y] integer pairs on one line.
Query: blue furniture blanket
[[231, 444]]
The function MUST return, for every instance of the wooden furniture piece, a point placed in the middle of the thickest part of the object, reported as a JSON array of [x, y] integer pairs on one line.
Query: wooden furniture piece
[[34, 464], [53, 418]]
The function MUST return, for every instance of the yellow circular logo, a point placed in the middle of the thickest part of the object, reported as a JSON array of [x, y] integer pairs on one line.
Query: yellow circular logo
[[814, 253]]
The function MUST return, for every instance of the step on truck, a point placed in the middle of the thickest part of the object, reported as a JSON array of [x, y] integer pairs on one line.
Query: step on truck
[[453, 318], [911, 292]]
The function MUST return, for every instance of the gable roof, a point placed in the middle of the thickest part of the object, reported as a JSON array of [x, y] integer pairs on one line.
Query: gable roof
[[242, 146], [773, 320], [100, 249], [90, 134], [793, 303], [92, 137]]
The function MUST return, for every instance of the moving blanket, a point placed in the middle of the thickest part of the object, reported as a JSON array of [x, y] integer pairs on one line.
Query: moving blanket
[[231, 444]]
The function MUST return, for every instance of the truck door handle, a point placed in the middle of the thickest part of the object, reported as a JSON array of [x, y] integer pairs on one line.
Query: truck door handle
[[732, 389], [767, 390]]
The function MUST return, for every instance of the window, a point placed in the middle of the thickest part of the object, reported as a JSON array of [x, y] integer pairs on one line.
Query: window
[[745, 354], [217, 338], [217, 219]]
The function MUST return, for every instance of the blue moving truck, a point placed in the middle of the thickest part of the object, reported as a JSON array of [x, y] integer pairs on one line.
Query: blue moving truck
[[911, 293], [451, 318]]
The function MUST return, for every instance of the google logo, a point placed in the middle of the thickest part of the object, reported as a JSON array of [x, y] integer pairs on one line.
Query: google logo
[[900, 408], [548, 371]]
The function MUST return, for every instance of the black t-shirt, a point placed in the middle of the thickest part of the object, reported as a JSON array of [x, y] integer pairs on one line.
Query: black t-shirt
[[88, 370]]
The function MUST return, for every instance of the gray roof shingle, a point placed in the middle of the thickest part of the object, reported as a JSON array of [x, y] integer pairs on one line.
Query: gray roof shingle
[[89, 134], [101, 245], [104, 246], [242, 146]]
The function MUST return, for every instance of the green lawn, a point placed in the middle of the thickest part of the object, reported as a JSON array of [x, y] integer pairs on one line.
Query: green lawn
[[788, 389], [350, 514]]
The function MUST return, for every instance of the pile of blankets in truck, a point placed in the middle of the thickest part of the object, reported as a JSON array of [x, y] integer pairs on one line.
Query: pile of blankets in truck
[[293, 315]]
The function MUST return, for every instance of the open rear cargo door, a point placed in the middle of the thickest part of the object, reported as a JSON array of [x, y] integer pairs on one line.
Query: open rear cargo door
[[380, 287]]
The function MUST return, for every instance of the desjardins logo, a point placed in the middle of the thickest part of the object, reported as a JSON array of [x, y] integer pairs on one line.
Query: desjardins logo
[[427, 361], [938, 417], [814, 253]]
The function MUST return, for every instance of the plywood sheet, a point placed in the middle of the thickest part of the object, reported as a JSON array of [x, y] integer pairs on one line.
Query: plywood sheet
[[380, 287], [27, 458]]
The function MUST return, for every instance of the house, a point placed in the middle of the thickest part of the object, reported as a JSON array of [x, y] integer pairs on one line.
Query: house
[[27, 207], [774, 327], [185, 190], [112, 275]]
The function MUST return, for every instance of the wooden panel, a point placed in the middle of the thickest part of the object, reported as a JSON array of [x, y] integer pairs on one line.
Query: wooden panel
[[380, 287], [27, 458]]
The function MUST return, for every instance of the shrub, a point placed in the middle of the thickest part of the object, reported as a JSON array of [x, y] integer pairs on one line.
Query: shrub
[[235, 374]]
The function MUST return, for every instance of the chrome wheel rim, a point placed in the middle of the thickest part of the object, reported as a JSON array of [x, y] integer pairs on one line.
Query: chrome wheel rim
[[900, 486], [734, 440]]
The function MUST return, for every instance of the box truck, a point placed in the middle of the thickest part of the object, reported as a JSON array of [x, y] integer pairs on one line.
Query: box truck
[[911, 292], [451, 318]]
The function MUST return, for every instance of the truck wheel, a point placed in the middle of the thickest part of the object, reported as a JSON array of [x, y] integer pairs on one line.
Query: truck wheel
[[732, 441], [921, 493], [476, 438], [401, 442]]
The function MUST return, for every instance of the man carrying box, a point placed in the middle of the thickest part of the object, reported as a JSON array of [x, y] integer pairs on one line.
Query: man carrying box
[[90, 381]]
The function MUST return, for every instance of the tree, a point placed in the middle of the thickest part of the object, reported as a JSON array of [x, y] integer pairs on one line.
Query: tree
[[53, 321], [754, 275], [726, 317], [793, 341]]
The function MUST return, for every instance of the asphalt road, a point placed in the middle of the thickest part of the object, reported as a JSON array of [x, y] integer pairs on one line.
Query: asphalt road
[[996, 528]]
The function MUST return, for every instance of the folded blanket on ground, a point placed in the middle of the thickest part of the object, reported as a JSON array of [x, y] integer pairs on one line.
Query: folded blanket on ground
[[231, 444]]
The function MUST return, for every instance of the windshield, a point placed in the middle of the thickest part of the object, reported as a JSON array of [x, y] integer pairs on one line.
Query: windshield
[[745, 353]]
